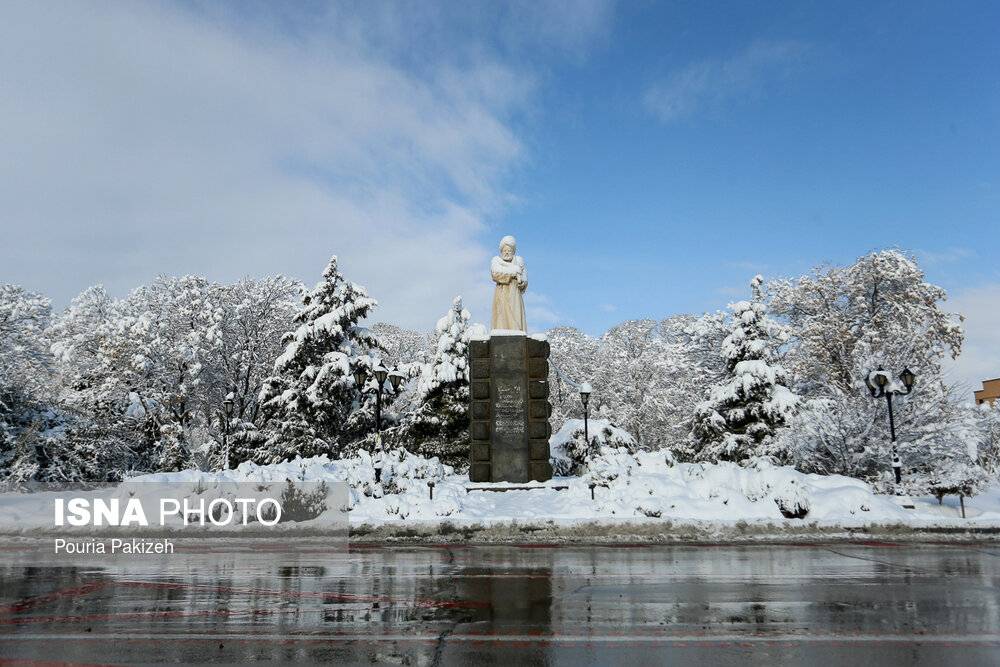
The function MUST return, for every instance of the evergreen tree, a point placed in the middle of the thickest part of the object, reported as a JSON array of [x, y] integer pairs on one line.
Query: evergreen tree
[[310, 398], [741, 415], [440, 423], [174, 453]]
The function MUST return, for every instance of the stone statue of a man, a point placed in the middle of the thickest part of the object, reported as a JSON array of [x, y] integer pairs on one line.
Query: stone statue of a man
[[512, 279]]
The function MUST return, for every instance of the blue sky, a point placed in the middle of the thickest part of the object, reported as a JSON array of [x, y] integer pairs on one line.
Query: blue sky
[[798, 134], [649, 157]]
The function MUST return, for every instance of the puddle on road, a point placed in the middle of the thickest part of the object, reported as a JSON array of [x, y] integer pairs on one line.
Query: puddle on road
[[465, 593]]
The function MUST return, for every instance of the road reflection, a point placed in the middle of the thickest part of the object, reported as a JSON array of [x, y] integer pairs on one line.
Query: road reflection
[[495, 605]]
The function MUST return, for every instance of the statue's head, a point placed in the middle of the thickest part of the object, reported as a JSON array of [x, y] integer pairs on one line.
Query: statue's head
[[508, 247]]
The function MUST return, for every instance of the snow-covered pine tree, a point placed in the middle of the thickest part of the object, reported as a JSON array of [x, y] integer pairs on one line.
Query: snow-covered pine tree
[[174, 453], [439, 424], [740, 416], [311, 395]]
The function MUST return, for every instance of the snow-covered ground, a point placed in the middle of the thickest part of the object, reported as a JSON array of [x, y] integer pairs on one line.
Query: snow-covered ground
[[645, 488]]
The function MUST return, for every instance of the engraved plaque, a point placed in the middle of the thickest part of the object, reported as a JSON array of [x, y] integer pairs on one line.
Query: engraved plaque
[[510, 410]]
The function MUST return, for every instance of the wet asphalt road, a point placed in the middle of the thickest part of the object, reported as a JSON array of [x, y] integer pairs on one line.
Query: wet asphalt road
[[694, 605]]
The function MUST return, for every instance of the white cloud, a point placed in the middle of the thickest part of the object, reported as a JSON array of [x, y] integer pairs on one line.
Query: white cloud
[[980, 358], [608, 307], [710, 82], [946, 256], [539, 312], [748, 265], [147, 139], [733, 291]]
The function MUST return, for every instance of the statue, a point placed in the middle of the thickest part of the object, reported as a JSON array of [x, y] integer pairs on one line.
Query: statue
[[512, 279], [509, 405]]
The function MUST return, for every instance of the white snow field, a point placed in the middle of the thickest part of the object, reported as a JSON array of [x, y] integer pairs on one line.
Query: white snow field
[[642, 486], [645, 488]]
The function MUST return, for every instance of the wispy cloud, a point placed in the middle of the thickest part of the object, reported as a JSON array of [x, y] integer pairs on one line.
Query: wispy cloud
[[748, 265], [539, 311], [707, 83], [732, 291], [946, 256], [155, 138], [980, 358]]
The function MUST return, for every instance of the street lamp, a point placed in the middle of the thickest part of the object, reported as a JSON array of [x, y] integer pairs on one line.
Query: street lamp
[[880, 384], [585, 399], [381, 374], [227, 411], [395, 378]]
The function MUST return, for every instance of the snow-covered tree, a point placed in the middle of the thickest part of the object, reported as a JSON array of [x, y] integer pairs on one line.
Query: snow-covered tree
[[79, 334], [151, 372], [845, 322], [572, 449], [989, 450], [24, 356], [646, 375], [879, 309], [311, 396], [632, 361], [158, 361], [255, 315], [573, 359], [439, 426], [741, 415], [691, 362], [25, 367], [402, 346], [88, 381]]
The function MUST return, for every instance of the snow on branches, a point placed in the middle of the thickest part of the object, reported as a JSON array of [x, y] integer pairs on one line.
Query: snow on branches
[[741, 414], [311, 396], [439, 423]]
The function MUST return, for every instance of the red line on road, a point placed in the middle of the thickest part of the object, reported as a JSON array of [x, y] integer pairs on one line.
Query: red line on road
[[128, 616], [10, 662], [34, 601]]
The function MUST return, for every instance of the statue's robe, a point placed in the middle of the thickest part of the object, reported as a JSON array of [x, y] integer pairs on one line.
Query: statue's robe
[[508, 303]]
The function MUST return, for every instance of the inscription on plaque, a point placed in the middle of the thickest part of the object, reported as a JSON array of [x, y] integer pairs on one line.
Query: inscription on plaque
[[509, 428], [509, 407]]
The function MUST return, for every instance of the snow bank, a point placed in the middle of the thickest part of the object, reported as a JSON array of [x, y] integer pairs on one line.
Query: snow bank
[[645, 486], [570, 451], [627, 487]]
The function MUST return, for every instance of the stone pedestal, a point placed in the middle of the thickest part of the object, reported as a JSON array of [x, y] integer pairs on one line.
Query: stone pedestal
[[509, 409]]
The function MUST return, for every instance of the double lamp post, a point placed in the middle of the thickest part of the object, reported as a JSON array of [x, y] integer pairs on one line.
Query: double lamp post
[[880, 384], [381, 373]]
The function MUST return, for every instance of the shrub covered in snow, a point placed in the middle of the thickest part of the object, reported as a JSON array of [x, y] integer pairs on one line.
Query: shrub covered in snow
[[570, 452], [655, 487]]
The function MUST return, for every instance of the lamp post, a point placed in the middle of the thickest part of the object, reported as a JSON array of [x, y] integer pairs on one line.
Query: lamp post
[[227, 411], [879, 384], [381, 374], [585, 399]]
